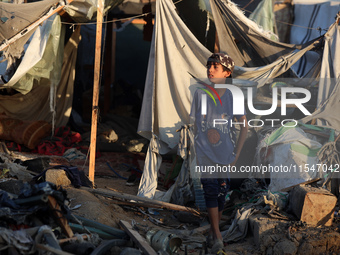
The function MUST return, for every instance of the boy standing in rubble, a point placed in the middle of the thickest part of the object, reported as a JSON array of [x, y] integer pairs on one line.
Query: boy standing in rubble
[[215, 144]]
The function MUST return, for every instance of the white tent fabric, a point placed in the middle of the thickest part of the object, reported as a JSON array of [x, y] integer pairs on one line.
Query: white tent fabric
[[166, 104], [329, 87], [243, 40], [264, 16], [86, 10], [33, 54], [174, 52]]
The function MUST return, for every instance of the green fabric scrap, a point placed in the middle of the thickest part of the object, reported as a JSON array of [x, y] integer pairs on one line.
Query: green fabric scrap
[[277, 133], [303, 149]]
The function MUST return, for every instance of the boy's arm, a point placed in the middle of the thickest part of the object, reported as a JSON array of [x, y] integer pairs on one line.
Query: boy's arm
[[242, 137]]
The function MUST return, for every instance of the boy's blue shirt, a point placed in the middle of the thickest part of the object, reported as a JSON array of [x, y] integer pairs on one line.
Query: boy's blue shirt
[[214, 142]]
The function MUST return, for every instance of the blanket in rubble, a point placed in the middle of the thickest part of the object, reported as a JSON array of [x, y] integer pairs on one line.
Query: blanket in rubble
[[63, 139], [20, 210]]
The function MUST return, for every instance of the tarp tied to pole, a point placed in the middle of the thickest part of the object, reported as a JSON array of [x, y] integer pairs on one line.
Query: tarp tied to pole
[[243, 40], [16, 17], [175, 52], [47, 80], [86, 10]]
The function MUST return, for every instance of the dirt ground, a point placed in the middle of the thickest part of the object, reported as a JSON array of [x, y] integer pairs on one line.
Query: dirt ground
[[109, 213]]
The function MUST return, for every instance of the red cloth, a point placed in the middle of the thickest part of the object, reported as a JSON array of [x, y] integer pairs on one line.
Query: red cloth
[[62, 140]]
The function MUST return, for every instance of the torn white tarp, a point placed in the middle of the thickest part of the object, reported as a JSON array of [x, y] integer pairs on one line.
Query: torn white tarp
[[153, 160], [264, 16], [33, 54], [329, 87], [174, 53], [243, 40], [288, 156], [51, 78], [17, 17], [86, 10]]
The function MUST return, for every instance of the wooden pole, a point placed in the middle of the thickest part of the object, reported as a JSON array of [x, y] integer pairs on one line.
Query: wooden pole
[[145, 201], [217, 44], [137, 238], [95, 107]]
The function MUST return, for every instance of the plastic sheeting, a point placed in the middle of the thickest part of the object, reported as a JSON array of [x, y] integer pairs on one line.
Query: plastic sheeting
[[293, 152], [242, 39], [264, 16], [45, 77], [86, 10], [175, 53], [15, 17], [44, 43]]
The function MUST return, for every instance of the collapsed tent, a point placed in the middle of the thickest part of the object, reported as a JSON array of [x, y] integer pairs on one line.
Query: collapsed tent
[[15, 19], [175, 53], [45, 79], [35, 61]]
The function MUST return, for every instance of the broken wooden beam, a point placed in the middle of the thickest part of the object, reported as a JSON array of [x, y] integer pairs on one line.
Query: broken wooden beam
[[137, 238], [315, 206], [52, 202], [72, 239], [144, 201]]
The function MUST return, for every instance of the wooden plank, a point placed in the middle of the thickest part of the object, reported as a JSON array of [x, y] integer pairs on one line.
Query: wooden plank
[[72, 239], [96, 86], [137, 238], [147, 201], [52, 202], [217, 43]]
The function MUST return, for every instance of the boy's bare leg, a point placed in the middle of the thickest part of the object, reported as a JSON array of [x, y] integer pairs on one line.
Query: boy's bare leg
[[214, 218]]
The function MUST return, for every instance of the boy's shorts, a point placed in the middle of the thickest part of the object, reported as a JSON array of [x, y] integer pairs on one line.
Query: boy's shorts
[[215, 191]]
